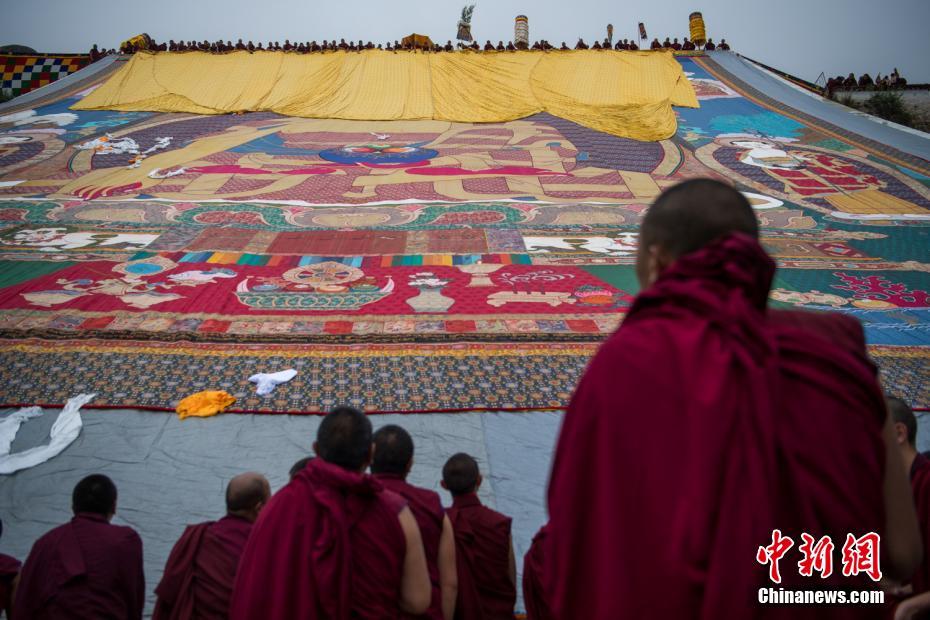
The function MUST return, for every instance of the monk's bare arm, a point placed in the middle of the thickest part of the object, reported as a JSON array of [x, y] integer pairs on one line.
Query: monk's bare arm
[[901, 542], [448, 575], [415, 589], [513, 564]]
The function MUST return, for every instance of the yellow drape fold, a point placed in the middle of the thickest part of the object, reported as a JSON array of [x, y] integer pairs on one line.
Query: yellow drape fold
[[628, 94]]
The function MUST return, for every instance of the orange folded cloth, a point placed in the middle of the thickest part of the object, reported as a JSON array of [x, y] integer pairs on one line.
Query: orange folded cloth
[[204, 404]]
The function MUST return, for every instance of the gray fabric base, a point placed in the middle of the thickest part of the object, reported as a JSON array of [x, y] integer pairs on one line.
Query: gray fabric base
[[171, 473], [856, 122]]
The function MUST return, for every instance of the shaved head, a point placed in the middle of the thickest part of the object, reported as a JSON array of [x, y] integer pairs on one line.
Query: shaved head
[[460, 474], [901, 413], [393, 450], [94, 494], [687, 217], [246, 491], [344, 438]]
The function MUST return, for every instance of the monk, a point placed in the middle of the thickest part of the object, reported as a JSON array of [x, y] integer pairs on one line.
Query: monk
[[333, 543], [9, 570], [916, 603], [483, 546], [775, 418], [655, 45], [86, 568], [709, 46], [534, 593], [390, 466], [201, 569]]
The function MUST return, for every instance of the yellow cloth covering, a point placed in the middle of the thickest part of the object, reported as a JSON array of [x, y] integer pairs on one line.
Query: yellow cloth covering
[[627, 94], [204, 404]]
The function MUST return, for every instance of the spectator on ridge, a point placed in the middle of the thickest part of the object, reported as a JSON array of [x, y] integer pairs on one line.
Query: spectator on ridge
[[709, 46], [483, 546], [535, 598], [9, 569], [333, 543], [199, 574], [688, 45], [917, 591], [754, 389], [666, 44], [581, 45], [390, 466], [655, 45], [724, 46], [86, 568], [676, 45]]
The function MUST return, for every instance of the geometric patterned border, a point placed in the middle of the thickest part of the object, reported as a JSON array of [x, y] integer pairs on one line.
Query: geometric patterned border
[[378, 378]]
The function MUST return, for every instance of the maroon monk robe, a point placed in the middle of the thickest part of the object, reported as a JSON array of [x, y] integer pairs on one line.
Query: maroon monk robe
[[920, 485], [534, 594], [86, 568], [201, 570], [327, 545], [9, 568], [774, 420], [482, 557], [427, 510]]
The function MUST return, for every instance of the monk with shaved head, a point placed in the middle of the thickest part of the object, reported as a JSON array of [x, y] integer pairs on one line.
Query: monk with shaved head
[[86, 568], [775, 419], [334, 543], [201, 569], [483, 546], [393, 459]]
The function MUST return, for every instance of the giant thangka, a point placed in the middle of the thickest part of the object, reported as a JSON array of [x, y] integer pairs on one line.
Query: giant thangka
[[417, 264]]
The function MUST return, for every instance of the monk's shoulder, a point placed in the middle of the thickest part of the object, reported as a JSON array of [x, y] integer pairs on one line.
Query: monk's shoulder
[[494, 519], [649, 337], [125, 535], [392, 501], [50, 539], [429, 498], [833, 326]]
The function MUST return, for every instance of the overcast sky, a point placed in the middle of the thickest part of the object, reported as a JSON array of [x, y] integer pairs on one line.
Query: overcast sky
[[803, 37]]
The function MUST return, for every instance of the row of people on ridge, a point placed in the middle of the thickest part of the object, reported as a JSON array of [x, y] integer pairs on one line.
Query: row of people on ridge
[[865, 82], [688, 45], [352, 46], [777, 427]]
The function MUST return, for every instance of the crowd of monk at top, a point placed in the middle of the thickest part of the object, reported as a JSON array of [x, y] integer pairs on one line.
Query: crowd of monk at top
[[710, 439], [352, 46]]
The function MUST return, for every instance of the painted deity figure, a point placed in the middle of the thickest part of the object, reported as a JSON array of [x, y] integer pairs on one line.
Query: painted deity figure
[[802, 172]]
